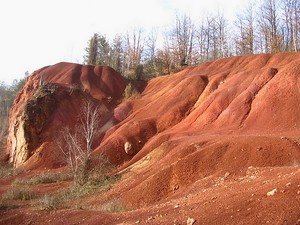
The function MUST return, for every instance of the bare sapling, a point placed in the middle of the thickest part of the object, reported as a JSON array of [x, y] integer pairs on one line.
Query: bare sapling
[[76, 144]]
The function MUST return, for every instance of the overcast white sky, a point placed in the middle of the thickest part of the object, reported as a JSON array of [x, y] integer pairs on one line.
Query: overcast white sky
[[37, 33]]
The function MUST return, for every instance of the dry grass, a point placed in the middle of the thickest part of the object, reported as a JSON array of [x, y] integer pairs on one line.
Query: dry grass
[[47, 202], [6, 170], [131, 92], [113, 206], [45, 178], [62, 198], [19, 193]]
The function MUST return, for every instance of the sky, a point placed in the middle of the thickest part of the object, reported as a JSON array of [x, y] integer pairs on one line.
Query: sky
[[38, 33]]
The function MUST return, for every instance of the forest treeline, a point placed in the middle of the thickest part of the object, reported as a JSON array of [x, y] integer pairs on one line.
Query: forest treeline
[[266, 27], [7, 96]]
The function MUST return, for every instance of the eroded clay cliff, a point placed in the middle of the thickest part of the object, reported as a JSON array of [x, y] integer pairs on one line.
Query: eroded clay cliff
[[253, 95], [50, 100]]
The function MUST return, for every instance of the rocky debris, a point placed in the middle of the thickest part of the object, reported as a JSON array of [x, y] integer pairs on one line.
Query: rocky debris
[[190, 221], [128, 148], [272, 192]]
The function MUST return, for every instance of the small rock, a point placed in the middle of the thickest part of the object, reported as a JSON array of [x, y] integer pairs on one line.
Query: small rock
[[271, 193], [176, 206], [128, 148], [190, 221], [226, 175], [288, 184]]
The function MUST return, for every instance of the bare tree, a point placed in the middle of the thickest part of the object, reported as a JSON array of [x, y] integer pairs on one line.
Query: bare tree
[[4, 126], [76, 146], [270, 27], [182, 39], [201, 39], [134, 47], [150, 56], [212, 38], [151, 46], [245, 24], [292, 24], [164, 57], [117, 54], [221, 28]]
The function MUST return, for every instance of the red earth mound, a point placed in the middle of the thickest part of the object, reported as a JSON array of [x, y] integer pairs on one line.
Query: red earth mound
[[218, 142], [52, 99]]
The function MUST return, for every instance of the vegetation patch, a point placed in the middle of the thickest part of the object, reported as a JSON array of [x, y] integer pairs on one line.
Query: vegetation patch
[[113, 206], [6, 205], [47, 202], [131, 92], [77, 191], [45, 178], [7, 170], [22, 193], [60, 198]]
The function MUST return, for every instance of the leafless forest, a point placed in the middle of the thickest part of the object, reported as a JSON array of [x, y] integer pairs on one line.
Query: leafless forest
[[269, 26]]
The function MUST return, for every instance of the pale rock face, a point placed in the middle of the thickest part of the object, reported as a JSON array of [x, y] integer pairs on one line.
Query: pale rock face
[[128, 148], [18, 151]]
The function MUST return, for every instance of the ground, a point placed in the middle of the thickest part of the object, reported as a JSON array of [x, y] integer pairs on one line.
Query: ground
[[213, 144]]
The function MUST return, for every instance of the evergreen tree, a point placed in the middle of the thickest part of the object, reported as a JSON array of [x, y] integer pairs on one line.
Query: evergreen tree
[[92, 51]]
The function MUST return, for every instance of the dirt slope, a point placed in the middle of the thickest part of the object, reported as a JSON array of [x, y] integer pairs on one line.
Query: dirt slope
[[218, 142], [52, 99]]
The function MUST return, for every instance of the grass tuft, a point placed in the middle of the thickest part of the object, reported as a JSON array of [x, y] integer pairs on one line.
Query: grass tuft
[[45, 178], [19, 193], [48, 202], [113, 206]]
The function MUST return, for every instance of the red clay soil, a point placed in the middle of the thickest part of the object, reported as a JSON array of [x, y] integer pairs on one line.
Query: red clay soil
[[215, 144]]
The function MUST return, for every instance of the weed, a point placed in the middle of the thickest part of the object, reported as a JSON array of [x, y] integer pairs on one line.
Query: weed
[[78, 191], [131, 92], [19, 193], [113, 206], [45, 178], [48, 202], [57, 199], [9, 171]]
